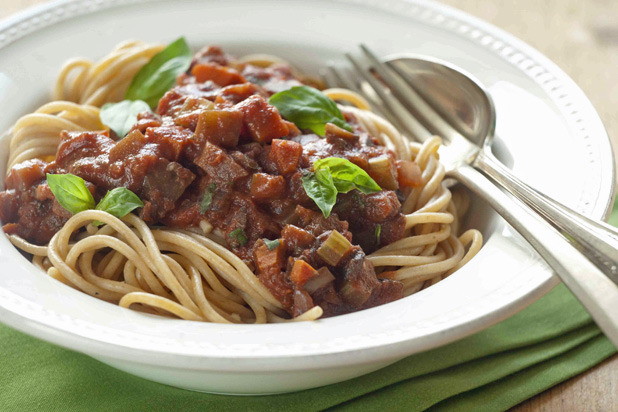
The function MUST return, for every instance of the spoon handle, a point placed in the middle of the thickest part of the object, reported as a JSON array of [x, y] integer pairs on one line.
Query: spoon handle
[[597, 240], [597, 293]]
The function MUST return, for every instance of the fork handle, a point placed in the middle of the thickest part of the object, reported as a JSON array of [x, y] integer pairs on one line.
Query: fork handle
[[597, 240], [597, 293]]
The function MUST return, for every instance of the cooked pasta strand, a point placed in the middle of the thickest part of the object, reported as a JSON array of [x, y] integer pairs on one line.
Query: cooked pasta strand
[[191, 274]]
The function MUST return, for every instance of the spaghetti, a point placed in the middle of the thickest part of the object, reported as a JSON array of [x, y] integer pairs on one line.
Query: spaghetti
[[192, 273]]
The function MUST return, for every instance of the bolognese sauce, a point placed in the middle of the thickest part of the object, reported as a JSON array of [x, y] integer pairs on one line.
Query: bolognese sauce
[[216, 155]]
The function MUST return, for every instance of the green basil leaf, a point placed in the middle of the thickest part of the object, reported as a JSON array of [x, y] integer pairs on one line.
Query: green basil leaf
[[159, 74], [346, 175], [319, 187], [239, 236], [272, 244], [119, 202], [207, 198], [308, 108], [121, 116], [71, 192]]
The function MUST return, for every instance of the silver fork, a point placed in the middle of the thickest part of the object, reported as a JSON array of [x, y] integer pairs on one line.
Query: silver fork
[[583, 266]]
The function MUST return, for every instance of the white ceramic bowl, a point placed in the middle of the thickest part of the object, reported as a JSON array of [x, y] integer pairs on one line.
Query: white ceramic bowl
[[548, 132]]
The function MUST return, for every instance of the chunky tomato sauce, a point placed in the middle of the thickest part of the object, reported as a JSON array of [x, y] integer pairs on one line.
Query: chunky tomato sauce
[[216, 150]]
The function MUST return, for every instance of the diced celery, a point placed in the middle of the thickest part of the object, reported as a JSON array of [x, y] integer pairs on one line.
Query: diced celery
[[384, 171], [334, 248]]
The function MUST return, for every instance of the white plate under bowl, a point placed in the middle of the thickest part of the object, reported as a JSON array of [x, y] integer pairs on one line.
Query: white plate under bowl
[[545, 123]]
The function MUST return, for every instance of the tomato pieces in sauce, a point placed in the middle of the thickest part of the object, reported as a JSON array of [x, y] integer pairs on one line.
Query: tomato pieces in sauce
[[215, 134]]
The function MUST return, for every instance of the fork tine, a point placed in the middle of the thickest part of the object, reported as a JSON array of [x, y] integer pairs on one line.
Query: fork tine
[[372, 99], [452, 120], [342, 80], [409, 123], [410, 98], [346, 81]]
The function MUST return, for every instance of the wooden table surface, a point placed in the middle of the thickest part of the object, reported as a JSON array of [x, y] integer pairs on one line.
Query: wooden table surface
[[582, 38]]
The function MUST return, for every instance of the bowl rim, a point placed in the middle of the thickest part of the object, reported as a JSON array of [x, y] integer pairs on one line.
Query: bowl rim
[[32, 19]]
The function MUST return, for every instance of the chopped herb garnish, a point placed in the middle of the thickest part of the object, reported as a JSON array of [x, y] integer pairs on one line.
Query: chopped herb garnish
[[308, 108], [71, 192], [334, 175], [121, 116], [159, 75], [272, 244], [207, 198], [319, 186], [119, 202], [239, 236], [346, 175]]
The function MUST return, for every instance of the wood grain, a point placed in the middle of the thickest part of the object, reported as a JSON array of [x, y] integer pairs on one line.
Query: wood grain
[[582, 38], [593, 390]]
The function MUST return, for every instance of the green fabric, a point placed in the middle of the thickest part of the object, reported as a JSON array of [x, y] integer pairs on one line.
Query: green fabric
[[545, 344]]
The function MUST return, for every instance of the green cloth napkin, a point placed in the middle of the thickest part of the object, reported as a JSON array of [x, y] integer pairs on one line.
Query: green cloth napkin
[[543, 345]]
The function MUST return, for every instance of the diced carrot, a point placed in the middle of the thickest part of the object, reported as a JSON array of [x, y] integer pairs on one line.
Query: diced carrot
[[170, 140], [239, 92], [146, 120], [221, 75], [265, 186], [189, 112], [293, 130], [263, 121], [269, 260], [270, 265], [286, 155], [408, 174], [294, 236], [302, 272]]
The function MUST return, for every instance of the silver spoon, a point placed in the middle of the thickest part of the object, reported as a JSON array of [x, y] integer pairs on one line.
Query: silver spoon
[[445, 101], [465, 105]]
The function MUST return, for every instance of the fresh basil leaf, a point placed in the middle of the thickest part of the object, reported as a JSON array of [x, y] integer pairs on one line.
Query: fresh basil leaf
[[71, 192], [346, 175], [121, 116], [207, 198], [272, 244], [239, 236], [159, 74], [119, 202], [378, 232], [308, 108], [319, 187]]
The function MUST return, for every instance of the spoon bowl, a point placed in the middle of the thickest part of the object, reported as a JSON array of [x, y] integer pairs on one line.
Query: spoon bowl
[[455, 95]]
